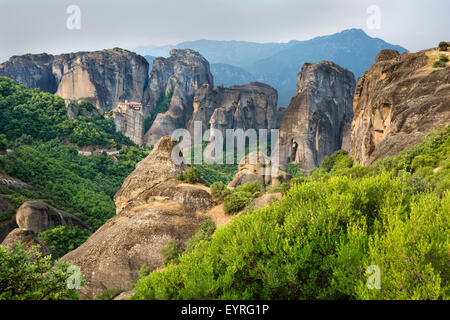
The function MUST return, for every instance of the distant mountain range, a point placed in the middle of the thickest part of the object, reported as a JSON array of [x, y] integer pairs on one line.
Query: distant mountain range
[[277, 64]]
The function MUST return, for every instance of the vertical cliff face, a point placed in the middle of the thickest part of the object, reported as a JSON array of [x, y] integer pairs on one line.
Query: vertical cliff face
[[182, 74], [314, 123], [101, 77], [397, 102], [129, 119], [31, 70], [253, 105]]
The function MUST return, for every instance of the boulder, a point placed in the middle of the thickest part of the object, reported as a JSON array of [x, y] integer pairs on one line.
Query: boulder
[[152, 209], [37, 216], [26, 237], [397, 102], [313, 125], [256, 166]]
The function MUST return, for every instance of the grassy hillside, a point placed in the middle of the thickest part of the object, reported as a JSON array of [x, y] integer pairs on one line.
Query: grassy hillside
[[319, 241]]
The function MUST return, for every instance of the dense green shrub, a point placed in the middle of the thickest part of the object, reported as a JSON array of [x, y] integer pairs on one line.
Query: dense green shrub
[[3, 142], [63, 239], [84, 186], [219, 190], [254, 188], [190, 175], [317, 244], [203, 233], [236, 201], [171, 252], [26, 275], [337, 161], [444, 58], [42, 116], [443, 46]]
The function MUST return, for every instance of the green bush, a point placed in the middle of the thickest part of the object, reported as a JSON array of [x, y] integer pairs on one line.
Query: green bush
[[3, 142], [204, 233], [190, 175], [26, 275], [444, 58], [171, 252], [219, 190], [254, 188], [422, 161], [63, 239], [337, 161], [236, 201], [439, 64], [143, 271], [317, 244], [443, 46]]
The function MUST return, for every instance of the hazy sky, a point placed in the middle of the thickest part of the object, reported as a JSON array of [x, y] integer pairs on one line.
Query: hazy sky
[[32, 26]]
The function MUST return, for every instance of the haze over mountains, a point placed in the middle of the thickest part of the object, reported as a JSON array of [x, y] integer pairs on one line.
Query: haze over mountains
[[277, 64]]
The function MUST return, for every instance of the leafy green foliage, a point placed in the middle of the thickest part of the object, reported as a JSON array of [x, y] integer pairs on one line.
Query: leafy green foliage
[[171, 252], [143, 271], [204, 233], [3, 142], [190, 175], [26, 275], [318, 242], [219, 190], [337, 161], [42, 116], [443, 46], [236, 201], [254, 188], [63, 239], [81, 185]]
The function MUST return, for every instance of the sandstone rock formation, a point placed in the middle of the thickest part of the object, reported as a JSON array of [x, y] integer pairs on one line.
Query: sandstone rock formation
[[37, 217], [27, 238], [252, 105], [257, 167], [313, 125], [152, 209], [129, 119], [101, 77], [181, 74], [31, 70], [397, 102]]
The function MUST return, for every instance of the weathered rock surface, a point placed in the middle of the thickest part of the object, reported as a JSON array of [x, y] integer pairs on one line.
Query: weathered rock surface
[[27, 238], [101, 77], [152, 209], [37, 216], [257, 167], [182, 74], [31, 70], [313, 125], [7, 226], [252, 105], [397, 102], [130, 121]]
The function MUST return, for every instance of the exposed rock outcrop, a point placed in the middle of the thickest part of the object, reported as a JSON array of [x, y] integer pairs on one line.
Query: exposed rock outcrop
[[31, 70], [37, 217], [181, 74], [129, 119], [152, 209], [101, 77], [397, 102], [27, 238], [252, 105], [313, 125], [257, 167]]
